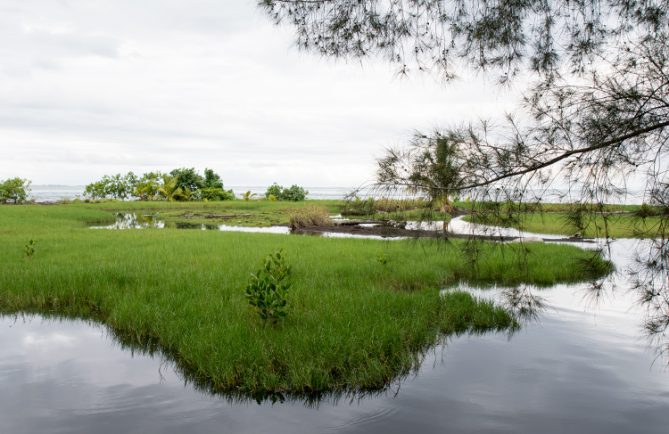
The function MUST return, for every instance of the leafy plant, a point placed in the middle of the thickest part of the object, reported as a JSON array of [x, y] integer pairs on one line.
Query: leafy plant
[[29, 248], [267, 290]]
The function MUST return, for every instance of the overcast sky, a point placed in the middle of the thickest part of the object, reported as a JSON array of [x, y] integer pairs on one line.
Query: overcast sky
[[90, 87]]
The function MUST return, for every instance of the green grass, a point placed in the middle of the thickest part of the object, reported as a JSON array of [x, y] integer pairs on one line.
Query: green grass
[[622, 225], [234, 212], [354, 323]]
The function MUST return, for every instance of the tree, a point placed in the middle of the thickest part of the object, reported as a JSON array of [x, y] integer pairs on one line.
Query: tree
[[148, 186], [600, 71], [112, 187], [188, 179], [212, 179], [15, 190], [594, 117], [430, 166], [170, 190], [502, 35]]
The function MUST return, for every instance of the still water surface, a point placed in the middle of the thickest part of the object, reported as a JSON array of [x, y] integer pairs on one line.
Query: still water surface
[[581, 366]]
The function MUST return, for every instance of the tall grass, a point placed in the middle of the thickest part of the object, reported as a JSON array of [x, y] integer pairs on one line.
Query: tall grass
[[309, 216]]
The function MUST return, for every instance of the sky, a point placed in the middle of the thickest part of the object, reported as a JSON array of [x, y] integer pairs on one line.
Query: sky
[[94, 87]]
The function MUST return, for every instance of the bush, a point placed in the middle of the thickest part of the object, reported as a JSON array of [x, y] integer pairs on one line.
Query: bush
[[310, 216], [274, 190], [294, 193], [268, 288], [213, 193], [15, 190]]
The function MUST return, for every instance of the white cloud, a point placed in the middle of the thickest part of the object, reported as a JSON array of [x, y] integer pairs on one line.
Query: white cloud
[[88, 88]]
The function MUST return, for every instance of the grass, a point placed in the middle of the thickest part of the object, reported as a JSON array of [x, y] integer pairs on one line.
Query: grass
[[354, 323], [308, 216], [624, 225], [260, 213]]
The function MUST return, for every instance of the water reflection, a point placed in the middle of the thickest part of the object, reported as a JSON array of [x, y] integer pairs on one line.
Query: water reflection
[[133, 221], [523, 302], [577, 364], [581, 368]]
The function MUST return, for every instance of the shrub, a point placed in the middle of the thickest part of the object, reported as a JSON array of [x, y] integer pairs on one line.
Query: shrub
[[274, 190], [294, 193], [268, 288], [310, 216], [213, 193]]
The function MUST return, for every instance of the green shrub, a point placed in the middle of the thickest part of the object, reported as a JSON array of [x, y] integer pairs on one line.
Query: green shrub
[[310, 216], [268, 288], [274, 190], [294, 193], [214, 193]]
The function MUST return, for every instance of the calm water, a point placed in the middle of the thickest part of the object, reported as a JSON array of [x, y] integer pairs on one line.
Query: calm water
[[53, 193], [580, 366]]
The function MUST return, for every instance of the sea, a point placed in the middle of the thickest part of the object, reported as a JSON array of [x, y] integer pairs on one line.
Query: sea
[[55, 193]]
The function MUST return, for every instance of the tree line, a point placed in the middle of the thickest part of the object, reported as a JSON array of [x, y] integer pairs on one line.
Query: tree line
[[184, 184]]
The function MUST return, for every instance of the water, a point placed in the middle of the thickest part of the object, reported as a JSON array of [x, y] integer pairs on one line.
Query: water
[[579, 365], [126, 221], [54, 193]]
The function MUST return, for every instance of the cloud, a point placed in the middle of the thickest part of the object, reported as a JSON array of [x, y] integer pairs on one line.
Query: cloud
[[88, 88]]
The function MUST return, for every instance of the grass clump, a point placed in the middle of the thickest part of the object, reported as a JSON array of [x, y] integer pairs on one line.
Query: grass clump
[[309, 216]]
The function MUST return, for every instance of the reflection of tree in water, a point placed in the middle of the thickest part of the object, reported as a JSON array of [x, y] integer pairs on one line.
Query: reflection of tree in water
[[523, 304], [650, 279]]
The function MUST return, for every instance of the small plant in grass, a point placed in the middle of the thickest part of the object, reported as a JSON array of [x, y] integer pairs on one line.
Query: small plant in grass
[[29, 248], [383, 259], [247, 195], [268, 288]]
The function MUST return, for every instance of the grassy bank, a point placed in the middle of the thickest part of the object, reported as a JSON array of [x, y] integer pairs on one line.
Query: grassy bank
[[622, 225], [360, 311], [234, 212]]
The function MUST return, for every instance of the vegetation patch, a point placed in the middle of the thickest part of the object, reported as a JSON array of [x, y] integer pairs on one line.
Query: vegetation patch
[[310, 216], [354, 322]]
